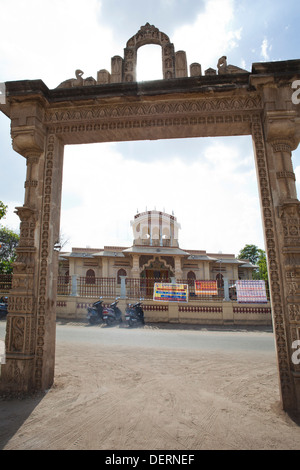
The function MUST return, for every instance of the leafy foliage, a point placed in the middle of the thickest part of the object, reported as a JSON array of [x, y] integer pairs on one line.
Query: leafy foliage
[[9, 241], [250, 252], [3, 209], [257, 257]]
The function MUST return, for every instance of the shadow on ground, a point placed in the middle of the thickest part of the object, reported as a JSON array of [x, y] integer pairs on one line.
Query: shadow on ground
[[15, 410]]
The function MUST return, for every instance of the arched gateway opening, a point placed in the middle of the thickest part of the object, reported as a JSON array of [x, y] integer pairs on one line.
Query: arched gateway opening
[[226, 101]]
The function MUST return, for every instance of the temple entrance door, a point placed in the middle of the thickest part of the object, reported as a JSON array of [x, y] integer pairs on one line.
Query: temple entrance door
[[155, 275]]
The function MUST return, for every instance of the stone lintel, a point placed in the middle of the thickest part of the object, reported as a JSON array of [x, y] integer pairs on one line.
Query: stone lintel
[[277, 68]]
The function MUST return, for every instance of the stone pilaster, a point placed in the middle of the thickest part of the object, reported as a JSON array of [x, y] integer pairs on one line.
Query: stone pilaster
[[274, 138], [30, 334], [135, 270], [285, 175], [18, 373], [178, 268]]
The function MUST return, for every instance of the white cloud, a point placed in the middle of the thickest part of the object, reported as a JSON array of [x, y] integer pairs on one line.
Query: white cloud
[[49, 40], [264, 49], [210, 36]]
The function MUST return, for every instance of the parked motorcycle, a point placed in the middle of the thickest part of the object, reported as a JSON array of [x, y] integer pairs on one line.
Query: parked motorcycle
[[3, 307], [134, 314], [112, 314], [95, 313]]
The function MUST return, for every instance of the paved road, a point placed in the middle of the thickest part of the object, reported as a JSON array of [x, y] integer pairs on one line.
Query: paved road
[[166, 336]]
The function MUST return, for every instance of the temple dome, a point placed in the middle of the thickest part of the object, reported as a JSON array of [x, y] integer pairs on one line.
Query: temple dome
[[155, 228]]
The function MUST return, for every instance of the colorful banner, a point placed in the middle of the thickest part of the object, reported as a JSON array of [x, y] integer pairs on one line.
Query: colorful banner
[[251, 291], [170, 292], [206, 288]]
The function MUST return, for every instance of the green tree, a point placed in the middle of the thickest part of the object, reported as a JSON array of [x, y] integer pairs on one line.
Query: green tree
[[257, 257], [8, 243], [3, 210], [250, 252], [262, 272]]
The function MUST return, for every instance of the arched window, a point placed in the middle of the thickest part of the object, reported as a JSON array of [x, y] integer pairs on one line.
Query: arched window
[[90, 277], [67, 277], [121, 272], [220, 281], [191, 277]]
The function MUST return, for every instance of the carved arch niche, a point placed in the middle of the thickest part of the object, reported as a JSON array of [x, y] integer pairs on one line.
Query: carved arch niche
[[149, 35]]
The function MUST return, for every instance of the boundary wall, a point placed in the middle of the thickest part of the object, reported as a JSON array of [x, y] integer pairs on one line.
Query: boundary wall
[[199, 313]]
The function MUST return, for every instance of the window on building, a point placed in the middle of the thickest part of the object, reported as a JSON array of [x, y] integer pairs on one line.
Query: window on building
[[121, 272], [90, 277], [220, 280], [191, 277], [67, 277]]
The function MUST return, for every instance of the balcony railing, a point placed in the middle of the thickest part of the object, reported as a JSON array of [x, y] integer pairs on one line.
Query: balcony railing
[[96, 286], [64, 285]]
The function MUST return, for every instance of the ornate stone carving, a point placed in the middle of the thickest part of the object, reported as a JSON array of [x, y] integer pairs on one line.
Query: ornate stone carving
[[28, 141], [293, 283], [289, 214], [44, 257], [182, 113], [17, 341], [224, 68], [294, 312], [78, 81], [147, 34], [20, 304], [195, 70], [210, 71], [276, 284], [281, 129], [28, 221]]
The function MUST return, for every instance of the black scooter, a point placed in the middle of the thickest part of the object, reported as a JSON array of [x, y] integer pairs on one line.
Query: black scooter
[[134, 314], [112, 314], [95, 313], [3, 307]]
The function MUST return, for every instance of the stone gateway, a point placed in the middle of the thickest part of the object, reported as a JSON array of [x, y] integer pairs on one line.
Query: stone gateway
[[225, 101]]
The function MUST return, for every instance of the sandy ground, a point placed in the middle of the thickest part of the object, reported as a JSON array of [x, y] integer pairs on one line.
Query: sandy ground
[[124, 398]]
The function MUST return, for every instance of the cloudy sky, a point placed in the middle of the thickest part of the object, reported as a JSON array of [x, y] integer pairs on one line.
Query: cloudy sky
[[209, 184]]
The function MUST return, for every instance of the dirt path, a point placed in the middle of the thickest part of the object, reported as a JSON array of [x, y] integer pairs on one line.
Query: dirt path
[[143, 398]]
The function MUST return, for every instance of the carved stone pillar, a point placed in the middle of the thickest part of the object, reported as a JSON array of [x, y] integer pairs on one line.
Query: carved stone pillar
[[30, 333], [285, 175], [180, 64], [273, 142], [168, 54], [178, 268], [130, 58], [104, 267], [135, 270]]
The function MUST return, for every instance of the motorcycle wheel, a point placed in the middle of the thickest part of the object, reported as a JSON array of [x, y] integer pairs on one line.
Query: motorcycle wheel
[[92, 321], [109, 322]]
